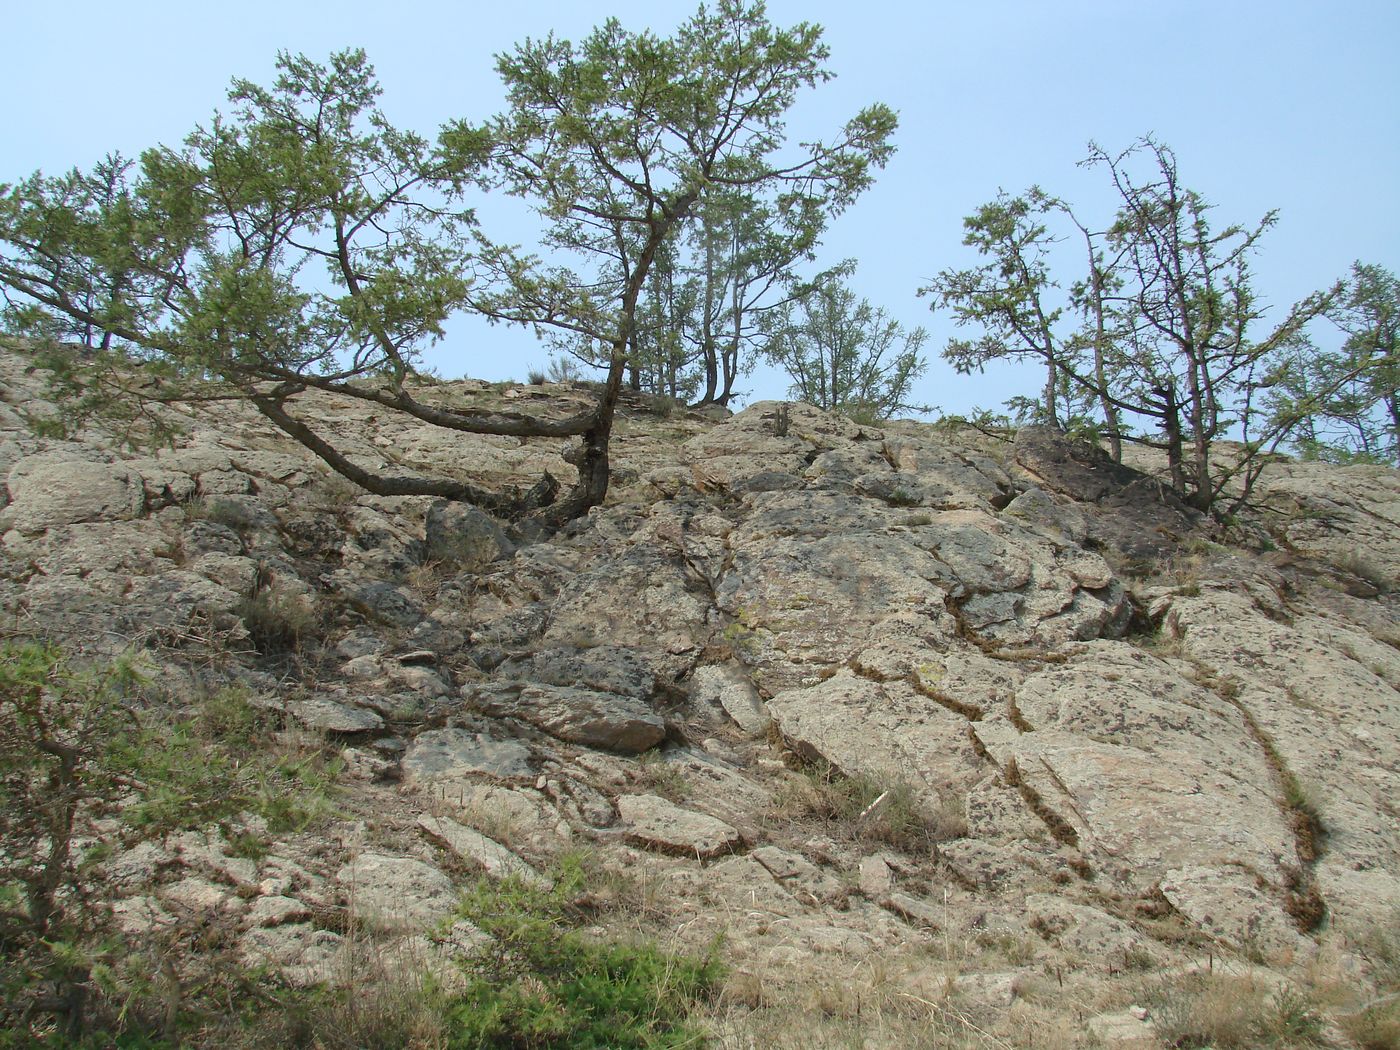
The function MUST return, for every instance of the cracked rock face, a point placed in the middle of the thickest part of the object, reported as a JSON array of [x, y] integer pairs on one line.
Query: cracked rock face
[[1115, 723]]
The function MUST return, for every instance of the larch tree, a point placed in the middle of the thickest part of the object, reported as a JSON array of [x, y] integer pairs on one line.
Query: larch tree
[[1166, 327], [845, 355], [298, 241], [1347, 401], [302, 242]]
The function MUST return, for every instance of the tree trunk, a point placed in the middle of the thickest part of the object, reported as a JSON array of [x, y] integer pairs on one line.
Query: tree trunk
[[1171, 424]]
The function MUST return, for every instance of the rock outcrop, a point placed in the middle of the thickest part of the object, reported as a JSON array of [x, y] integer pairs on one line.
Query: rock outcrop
[[1088, 721]]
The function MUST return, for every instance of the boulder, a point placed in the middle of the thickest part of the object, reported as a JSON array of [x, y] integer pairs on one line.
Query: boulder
[[608, 721], [462, 537]]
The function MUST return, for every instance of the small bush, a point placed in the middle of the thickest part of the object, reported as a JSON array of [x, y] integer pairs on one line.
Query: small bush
[[871, 809], [278, 623], [564, 370], [58, 777], [660, 776], [541, 982], [1232, 1013], [85, 759], [1375, 1025], [663, 406]]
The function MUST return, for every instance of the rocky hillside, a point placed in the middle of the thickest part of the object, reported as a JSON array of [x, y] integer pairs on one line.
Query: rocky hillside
[[953, 740]]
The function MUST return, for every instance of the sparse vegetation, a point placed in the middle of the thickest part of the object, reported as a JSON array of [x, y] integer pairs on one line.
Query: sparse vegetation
[[86, 761], [543, 982], [656, 774], [877, 810], [279, 622], [1227, 1012]]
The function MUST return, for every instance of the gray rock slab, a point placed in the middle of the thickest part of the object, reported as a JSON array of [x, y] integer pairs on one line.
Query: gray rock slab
[[463, 537], [604, 668], [300, 953], [59, 489], [1229, 904], [1082, 931], [730, 688], [475, 848], [580, 716], [276, 910], [330, 716], [657, 824], [455, 754]]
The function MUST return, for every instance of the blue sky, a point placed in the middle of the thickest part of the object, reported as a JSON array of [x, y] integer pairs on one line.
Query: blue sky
[[1282, 104]]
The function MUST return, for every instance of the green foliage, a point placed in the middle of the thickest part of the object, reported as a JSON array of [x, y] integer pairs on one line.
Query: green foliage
[[299, 240], [82, 768], [296, 240], [1345, 404], [57, 779], [628, 141], [843, 355], [192, 256], [1161, 330], [541, 982]]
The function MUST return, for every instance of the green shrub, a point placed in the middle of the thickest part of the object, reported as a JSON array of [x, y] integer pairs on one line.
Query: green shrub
[[542, 982], [58, 777], [278, 622], [84, 760]]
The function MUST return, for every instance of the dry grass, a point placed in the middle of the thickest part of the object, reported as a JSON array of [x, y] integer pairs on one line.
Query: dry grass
[[1228, 1012], [1370, 1016], [875, 810], [883, 1004]]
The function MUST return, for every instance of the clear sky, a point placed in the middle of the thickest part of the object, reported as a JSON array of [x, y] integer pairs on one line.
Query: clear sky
[[1268, 104]]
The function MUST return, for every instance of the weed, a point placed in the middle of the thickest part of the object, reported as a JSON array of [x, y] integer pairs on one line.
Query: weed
[[277, 622], [217, 510], [1376, 1026], [870, 809], [334, 494], [662, 777], [662, 406], [541, 982], [564, 370], [1357, 564], [1226, 1012]]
